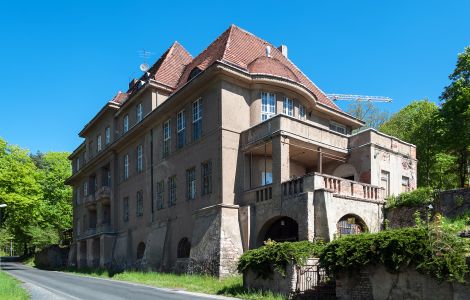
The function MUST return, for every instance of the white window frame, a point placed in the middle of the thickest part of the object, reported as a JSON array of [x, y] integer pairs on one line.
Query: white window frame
[[302, 112], [126, 166], [288, 107], [181, 128], [139, 112], [197, 119], [337, 127], [166, 138], [77, 164], [268, 105], [125, 125], [140, 165], [107, 135], [85, 188], [99, 145]]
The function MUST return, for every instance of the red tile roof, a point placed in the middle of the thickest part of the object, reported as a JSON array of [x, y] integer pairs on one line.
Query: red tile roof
[[246, 51], [120, 98]]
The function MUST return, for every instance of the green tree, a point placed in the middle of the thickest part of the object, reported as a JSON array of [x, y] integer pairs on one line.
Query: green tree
[[368, 112], [455, 115], [416, 123]]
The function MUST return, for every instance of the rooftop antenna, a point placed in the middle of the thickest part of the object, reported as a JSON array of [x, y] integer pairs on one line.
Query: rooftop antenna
[[144, 54]]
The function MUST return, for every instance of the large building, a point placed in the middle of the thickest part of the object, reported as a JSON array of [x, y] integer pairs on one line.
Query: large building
[[203, 158]]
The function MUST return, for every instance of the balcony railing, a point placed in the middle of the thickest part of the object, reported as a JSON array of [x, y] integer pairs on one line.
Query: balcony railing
[[296, 128], [259, 194], [103, 192], [351, 188]]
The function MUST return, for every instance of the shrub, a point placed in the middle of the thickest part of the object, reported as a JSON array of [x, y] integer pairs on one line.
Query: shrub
[[416, 198], [433, 251], [275, 256]]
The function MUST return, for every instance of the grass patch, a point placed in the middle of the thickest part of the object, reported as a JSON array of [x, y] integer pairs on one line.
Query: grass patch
[[231, 286], [10, 288]]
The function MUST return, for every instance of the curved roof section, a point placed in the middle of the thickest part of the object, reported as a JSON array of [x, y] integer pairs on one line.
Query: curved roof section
[[271, 66], [240, 48]]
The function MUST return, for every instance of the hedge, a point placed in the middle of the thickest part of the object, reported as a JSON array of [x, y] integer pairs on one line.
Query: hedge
[[416, 198]]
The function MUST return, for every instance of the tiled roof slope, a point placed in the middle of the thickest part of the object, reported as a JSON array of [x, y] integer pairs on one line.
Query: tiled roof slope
[[120, 98], [246, 51]]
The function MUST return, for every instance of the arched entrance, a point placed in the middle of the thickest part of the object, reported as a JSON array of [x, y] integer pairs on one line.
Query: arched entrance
[[140, 250], [351, 224], [281, 229]]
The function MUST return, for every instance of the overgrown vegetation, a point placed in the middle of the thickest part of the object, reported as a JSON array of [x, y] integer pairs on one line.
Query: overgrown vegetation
[[231, 286], [435, 251], [417, 198], [39, 207], [275, 256], [10, 288]]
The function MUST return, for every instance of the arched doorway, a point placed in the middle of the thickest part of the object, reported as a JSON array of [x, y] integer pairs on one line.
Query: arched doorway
[[351, 224], [140, 250], [282, 229], [184, 248]]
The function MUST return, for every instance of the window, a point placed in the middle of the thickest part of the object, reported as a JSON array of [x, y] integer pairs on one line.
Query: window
[[268, 105], [139, 159], [85, 189], [139, 207], [266, 178], [125, 124], [139, 112], [160, 194], [125, 210], [172, 191], [77, 196], [197, 119], [126, 166], [78, 227], [181, 129], [337, 127], [206, 170], [288, 107], [301, 112], [98, 143], [184, 248], [194, 72], [405, 184], [166, 139], [385, 182], [191, 184], [77, 164], [107, 135]]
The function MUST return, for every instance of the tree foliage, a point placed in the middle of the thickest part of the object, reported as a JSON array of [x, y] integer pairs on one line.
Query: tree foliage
[[38, 203], [454, 115], [368, 112]]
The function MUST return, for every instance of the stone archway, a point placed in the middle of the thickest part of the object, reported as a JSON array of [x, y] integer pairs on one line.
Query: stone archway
[[351, 224], [279, 229]]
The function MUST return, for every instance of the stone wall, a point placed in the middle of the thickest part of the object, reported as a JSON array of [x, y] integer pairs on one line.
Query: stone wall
[[277, 283], [53, 257], [375, 282], [454, 202], [404, 216]]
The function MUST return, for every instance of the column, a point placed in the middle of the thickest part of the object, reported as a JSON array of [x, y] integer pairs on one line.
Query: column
[[281, 164]]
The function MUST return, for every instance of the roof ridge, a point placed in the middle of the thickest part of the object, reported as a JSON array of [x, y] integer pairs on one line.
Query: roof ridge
[[227, 43]]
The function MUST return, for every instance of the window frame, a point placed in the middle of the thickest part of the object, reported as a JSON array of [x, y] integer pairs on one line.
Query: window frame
[[161, 194], [125, 123], [166, 135], [206, 178], [139, 159], [337, 127], [268, 105], [139, 203], [126, 166], [302, 112], [191, 183], [196, 109], [172, 191], [125, 209], [139, 112], [181, 129], [107, 135], [288, 106], [99, 144]]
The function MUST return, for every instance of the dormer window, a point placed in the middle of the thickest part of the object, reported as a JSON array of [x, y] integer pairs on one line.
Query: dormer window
[[194, 72], [337, 127]]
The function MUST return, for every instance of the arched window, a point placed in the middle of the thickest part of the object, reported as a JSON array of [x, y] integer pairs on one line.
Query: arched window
[[194, 72], [351, 224], [184, 248], [140, 250]]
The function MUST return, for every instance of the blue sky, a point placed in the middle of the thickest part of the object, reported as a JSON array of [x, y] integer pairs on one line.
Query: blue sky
[[60, 61]]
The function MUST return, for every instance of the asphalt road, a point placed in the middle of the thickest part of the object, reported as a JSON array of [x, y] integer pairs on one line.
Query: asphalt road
[[53, 285]]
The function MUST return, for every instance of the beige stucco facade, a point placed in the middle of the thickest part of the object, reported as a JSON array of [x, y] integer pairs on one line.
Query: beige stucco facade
[[194, 204]]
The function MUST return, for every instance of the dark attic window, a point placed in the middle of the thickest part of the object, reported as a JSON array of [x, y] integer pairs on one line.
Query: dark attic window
[[194, 72]]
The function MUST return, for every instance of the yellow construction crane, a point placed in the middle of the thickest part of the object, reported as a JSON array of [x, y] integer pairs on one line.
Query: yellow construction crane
[[347, 97]]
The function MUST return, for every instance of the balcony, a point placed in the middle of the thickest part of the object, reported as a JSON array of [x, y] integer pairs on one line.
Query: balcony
[[339, 187], [306, 131], [90, 200], [103, 194]]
